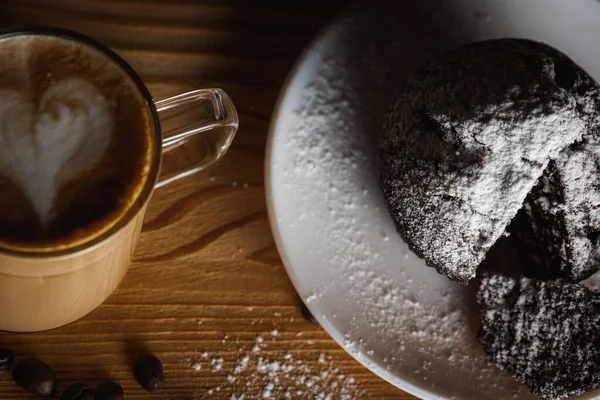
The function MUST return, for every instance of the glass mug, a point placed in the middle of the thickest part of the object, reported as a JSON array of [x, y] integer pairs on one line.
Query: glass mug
[[40, 291]]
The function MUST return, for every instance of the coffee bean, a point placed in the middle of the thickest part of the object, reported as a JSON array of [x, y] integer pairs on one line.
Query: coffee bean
[[35, 376], [78, 392], [308, 315], [6, 359], [109, 391], [149, 373]]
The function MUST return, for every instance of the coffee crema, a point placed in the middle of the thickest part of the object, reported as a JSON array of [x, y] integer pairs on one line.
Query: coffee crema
[[76, 143]]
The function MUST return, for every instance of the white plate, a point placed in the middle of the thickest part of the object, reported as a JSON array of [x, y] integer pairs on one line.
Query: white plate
[[378, 300]]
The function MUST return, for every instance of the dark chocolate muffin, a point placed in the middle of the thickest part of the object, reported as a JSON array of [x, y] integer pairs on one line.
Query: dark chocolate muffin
[[558, 229], [546, 334], [465, 142]]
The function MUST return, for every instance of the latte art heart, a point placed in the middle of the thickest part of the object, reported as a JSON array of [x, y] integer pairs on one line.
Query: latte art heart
[[45, 145]]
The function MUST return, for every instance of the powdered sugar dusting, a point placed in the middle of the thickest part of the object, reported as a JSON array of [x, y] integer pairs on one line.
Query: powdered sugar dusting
[[466, 140], [267, 374], [559, 225], [544, 333]]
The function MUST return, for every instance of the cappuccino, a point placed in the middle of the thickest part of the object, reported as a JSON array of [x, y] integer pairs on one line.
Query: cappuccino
[[76, 143]]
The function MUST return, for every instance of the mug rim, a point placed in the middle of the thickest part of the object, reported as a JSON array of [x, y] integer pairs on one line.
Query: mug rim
[[156, 159]]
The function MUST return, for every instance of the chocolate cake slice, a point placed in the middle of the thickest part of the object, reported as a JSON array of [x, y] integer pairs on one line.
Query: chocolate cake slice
[[558, 229], [546, 334], [465, 142]]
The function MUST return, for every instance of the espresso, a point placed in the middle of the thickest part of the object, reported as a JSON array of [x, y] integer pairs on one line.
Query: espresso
[[76, 143]]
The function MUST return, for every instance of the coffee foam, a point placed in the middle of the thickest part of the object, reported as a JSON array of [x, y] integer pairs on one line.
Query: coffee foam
[[66, 114], [45, 145]]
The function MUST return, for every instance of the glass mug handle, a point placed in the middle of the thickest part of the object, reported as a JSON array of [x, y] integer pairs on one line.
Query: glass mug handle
[[208, 118]]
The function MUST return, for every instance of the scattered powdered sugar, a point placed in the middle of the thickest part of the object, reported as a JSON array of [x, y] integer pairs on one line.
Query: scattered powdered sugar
[[259, 344], [241, 365], [293, 378], [217, 364], [274, 375], [321, 358]]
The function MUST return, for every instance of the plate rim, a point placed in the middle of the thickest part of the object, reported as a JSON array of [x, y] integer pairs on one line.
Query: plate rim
[[332, 331]]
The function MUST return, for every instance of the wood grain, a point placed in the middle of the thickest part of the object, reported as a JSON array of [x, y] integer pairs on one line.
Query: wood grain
[[207, 276]]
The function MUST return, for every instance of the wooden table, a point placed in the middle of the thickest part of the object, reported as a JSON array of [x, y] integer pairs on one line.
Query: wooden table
[[207, 284]]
